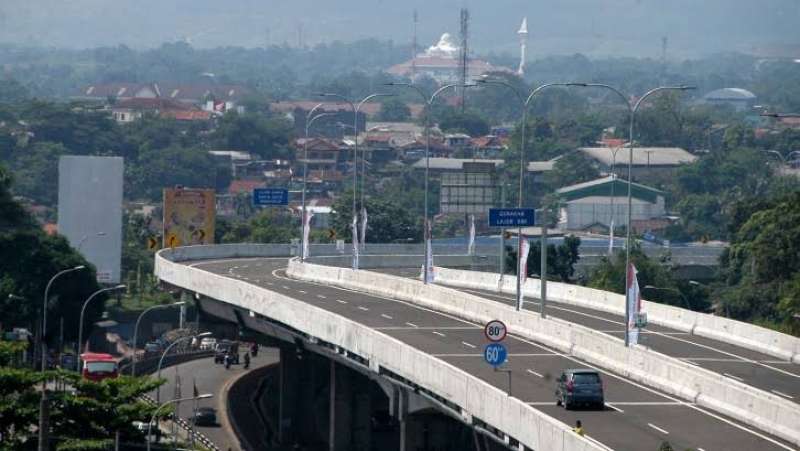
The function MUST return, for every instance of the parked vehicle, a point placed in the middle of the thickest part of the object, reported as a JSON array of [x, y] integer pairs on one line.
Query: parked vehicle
[[205, 416], [97, 367], [580, 387], [208, 344], [227, 347], [152, 347]]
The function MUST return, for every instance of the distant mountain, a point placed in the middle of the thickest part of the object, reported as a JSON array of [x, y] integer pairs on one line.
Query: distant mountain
[[591, 27]]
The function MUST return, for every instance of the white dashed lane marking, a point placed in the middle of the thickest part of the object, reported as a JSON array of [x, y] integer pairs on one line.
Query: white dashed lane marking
[[413, 325], [363, 308], [663, 431], [385, 316], [535, 373], [321, 296], [439, 333], [341, 301], [469, 345]]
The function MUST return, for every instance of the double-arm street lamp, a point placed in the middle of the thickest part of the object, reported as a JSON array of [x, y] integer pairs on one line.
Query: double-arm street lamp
[[166, 403], [632, 109], [80, 321], [526, 101], [356, 108], [166, 351], [136, 329], [428, 105], [310, 118]]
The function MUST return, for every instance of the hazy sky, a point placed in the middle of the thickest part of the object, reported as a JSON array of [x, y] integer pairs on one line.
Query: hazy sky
[[596, 27]]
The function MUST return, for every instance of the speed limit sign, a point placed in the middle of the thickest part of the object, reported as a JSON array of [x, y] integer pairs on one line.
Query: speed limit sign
[[495, 330]]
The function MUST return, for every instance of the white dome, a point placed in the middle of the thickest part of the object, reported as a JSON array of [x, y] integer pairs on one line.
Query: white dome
[[444, 48]]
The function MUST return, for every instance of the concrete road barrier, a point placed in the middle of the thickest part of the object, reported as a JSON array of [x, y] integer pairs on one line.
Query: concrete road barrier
[[749, 405], [727, 330], [476, 398]]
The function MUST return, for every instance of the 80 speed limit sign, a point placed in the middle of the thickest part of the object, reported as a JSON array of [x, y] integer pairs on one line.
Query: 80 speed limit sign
[[495, 331]]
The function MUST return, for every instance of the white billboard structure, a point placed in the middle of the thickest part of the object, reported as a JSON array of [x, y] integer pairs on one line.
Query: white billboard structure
[[90, 210]]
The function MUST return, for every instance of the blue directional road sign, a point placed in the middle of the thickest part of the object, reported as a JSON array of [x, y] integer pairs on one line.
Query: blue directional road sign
[[511, 217], [270, 196], [495, 354]]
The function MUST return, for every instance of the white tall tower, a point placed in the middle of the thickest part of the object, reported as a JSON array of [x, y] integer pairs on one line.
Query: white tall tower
[[523, 43]]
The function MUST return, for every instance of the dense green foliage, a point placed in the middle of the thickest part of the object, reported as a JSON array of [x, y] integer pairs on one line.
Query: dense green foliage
[[561, 259], [32, 259], [388, 221]]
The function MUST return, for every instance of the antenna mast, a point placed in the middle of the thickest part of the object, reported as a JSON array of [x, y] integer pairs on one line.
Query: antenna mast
[[414, 50]]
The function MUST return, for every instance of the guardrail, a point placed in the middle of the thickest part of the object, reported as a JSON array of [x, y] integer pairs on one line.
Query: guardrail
[[477, 400], [727, 330], [752, 406]]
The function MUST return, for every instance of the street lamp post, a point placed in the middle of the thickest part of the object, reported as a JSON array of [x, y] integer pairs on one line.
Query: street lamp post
[[80, 321], [613, 194], [136, 330], [632, 109], [543, 238], [43, 414], [164, 354], [428, 104], [309, 121], [356, 109], [166, 403], [674, 290]]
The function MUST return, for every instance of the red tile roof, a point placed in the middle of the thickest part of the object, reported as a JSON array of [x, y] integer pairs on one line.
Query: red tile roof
[[245, 186], [370, 108], [195, 115]]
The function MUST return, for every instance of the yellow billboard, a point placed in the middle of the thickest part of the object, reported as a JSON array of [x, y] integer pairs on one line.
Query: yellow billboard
[[188, 216]]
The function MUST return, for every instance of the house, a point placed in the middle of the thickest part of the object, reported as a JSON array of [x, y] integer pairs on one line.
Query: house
[[415, 150], [329, 155], [442, 165], [245, 186], [133, 109], [237, 160], [591, 205], [489, 146], [340, 116], [457, 140], [538, 169], [222, 97], [647, 161], [737, 98], [378, 147]]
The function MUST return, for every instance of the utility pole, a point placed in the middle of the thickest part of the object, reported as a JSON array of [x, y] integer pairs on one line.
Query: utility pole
[[464, 62]]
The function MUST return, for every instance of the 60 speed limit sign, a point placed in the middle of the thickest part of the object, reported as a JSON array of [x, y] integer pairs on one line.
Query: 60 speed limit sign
[[495, 330]]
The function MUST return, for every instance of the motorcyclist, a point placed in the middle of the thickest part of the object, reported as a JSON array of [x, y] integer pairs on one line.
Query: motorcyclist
[[227, 360]]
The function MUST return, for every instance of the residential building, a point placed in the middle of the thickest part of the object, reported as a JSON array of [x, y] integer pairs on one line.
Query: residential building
[[591, 206], [237, 160], [489, 146], [210, 97], [327, 155], [647, 161], [442, 165]]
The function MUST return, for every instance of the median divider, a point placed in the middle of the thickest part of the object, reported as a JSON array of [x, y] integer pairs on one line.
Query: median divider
[[476, 398], [765, 411], [727, 330]]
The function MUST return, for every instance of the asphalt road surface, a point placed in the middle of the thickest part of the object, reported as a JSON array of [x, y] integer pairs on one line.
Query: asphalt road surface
[[636, 417], [210, 378], [759, 370]]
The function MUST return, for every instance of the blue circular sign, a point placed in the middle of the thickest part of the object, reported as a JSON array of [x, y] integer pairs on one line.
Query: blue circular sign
[[495, 354]]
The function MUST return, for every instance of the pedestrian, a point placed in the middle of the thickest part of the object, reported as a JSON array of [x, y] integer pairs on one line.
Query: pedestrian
[[246, 360], [228, 359], [578, 429]]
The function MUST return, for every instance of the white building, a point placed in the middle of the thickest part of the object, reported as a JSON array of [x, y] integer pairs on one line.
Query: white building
[[592, 205]]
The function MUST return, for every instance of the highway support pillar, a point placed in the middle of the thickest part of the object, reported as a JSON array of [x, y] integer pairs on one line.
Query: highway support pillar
[[332, 409], [402, 417]]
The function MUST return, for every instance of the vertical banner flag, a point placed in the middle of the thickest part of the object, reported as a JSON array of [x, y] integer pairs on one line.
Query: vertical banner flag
[[611, 237], [471, 245], [354, 227], [428, 252], [306, 231], [634, 300], [363, 226], [522, 270]]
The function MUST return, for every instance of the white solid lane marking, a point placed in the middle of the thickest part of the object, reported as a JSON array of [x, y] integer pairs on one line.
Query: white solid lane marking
[[700, 449], [610, 406], [439, 333], [341, 301], [321, 296], [285, 287], [469, 345], [534, 373], [413, 325], [650, 403], [733, 377], [782, 394], [663, 431], [384, 315], [363, 308]]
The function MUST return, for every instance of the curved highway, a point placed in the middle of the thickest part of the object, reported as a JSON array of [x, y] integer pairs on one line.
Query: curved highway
[[636, 417], [759, 370]]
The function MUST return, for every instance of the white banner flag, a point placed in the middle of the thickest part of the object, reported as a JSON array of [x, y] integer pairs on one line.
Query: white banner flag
[[524, 248], [611, 238], [634, 300], [471, 244], [363, 226], [428, 252], [306, 231], [354, 227]]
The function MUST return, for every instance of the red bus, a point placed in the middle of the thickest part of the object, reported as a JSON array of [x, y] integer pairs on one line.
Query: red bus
[[97, 367]]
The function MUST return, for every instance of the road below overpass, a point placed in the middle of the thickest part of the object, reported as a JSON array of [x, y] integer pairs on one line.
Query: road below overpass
[[211, 378], [635, 418], [763, 371]]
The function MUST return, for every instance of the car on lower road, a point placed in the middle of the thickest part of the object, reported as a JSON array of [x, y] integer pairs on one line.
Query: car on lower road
[[582, 386], [208, 343], [205, 416]]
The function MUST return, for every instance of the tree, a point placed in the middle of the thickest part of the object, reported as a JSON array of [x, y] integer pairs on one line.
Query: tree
[[163, 168], [561, 259], [394, 110], [570, 169], [388, 221], [267, 226], [267, 137], [468, 122]]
